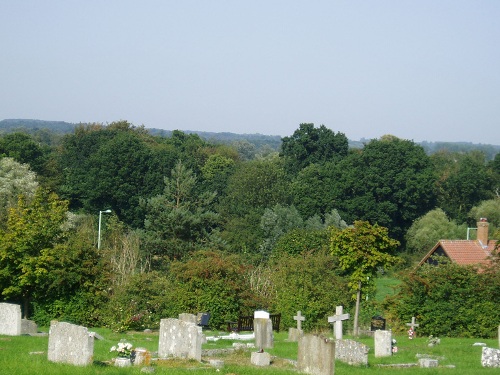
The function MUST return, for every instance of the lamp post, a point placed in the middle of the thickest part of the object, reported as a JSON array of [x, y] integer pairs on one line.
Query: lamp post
[[99, 230]]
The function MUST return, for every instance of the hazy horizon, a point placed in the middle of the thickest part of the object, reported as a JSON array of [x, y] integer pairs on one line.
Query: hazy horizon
[[423, 71]]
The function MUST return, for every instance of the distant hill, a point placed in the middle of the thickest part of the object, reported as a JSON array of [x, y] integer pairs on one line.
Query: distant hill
[[258, 140], [31, 126]]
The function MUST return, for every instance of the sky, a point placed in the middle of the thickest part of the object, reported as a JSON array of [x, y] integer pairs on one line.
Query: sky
[[422, 70]]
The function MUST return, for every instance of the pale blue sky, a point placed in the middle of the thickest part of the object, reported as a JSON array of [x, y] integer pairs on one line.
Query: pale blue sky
[[419, 69]]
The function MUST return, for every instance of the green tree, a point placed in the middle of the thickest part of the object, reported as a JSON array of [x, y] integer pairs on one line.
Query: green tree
[[179, 221], [33, 231], [24, 150], [113, 167], [309, 282], [490, 209], [427, 230], [389, 182], [362, 250], [463, 181], [254, 186], [275, 223], [448, 299], [15, 179], [310, 145]]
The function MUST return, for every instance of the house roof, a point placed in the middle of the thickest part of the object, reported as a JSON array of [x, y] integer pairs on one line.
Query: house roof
[[463, 252]]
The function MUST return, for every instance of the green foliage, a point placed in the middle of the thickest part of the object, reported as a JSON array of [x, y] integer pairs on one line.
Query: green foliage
[[15, 179], [463, 181], [275, 223], [489, 209], [448, 300], [309, 282], [214, 282], [179, 220], [389, 182], [362, 250], [301, 240], [140, 303], [426, 231], [24, 150], [310, 145], [28, 243]]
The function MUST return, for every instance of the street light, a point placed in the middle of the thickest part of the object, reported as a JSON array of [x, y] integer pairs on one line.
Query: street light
[[99, 230]]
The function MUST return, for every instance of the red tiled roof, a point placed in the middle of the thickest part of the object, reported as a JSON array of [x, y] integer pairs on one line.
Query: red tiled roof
[[463, 252]]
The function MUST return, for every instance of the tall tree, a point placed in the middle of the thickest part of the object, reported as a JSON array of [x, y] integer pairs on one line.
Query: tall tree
[[15, 179], [33, 230], [362, 250], [309, 145], [389, 182], [179, 220]]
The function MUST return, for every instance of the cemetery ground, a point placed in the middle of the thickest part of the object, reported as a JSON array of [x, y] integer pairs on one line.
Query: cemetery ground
[[28, 355]]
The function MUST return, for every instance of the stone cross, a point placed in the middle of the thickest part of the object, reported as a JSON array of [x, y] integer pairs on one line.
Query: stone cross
[[299, 318], [337, 319], [412, 324]]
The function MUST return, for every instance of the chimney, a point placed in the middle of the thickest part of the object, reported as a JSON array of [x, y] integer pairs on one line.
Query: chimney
[[482, 231]]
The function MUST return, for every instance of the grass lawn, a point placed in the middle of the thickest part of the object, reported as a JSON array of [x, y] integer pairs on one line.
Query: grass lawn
[[28, 355]]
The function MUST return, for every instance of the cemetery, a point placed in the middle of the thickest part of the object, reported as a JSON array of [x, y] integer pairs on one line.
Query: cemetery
[[181, 346]]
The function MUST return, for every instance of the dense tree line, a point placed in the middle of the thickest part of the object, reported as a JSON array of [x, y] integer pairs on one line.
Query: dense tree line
[[197, 225]]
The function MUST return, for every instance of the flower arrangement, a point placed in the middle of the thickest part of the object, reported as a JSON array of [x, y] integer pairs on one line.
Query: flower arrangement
[[411, 333], [394, 346], [433, 341], [124, 349]]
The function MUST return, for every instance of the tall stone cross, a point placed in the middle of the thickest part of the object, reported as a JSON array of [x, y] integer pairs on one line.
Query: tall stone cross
[[299, 318], [412, 325], [337, 319]]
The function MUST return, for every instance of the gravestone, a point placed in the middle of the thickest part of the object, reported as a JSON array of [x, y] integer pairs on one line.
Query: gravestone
[[260, 359], [295, 333], [263, 330], [377, 323], [412, 326], [351, 352], [316, 355], [383, 343], [337, 321], [179, 339], [10, 319], [490, 357], [190, 318], [428, 362], [28, 327], [69, 343]]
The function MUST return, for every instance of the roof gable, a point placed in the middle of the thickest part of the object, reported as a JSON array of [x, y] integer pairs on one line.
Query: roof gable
[[462, 252]]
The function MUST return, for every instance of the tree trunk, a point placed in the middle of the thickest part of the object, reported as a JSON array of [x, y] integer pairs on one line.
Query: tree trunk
[[356, 313]]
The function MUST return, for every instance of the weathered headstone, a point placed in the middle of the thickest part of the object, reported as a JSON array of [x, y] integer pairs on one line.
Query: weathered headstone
[[428, 362], [490, 357], [69, 343], [263, 329], [260, 359], [351, 352], [383, 343], [179, 339], [316, 355], [10, 319], [295, 333], [142, 357], [337, 321], [28, 327], [412, 326], [190, 318]]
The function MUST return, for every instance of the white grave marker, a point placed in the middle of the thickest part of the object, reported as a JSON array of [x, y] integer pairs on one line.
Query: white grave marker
[[337, 319], [299, 318]]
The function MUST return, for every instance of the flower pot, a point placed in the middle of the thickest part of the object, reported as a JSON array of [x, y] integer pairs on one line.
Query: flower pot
[[122, 362]]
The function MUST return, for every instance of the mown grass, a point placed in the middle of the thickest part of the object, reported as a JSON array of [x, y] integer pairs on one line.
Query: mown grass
[[28, 355]]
